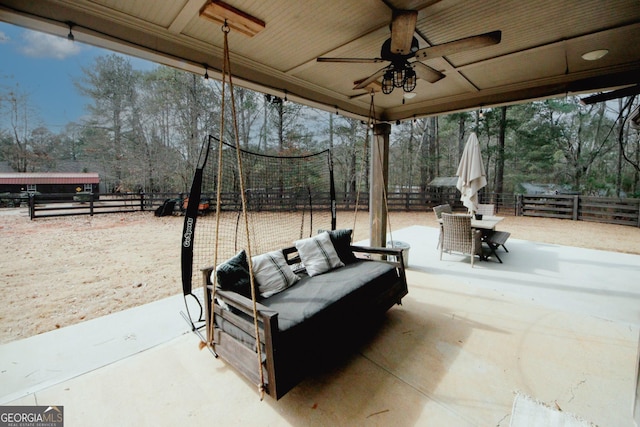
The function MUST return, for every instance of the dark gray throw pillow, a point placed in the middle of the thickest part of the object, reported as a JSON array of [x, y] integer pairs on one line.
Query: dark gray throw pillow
[[233, 275], [341, 240]]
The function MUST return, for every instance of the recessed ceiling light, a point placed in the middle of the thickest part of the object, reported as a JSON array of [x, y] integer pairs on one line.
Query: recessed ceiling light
[[594, 55]]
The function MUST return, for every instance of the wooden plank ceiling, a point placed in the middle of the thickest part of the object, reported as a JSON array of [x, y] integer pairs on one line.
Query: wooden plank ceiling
[[539, 54]]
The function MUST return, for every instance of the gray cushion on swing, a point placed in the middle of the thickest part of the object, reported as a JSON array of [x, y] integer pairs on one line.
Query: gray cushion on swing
[[312, 295]]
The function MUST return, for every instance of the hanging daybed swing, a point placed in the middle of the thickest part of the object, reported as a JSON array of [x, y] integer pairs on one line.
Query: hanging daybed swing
[[332, 291]]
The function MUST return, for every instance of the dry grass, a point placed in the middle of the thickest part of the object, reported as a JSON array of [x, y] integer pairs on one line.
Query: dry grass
[[60, 271]]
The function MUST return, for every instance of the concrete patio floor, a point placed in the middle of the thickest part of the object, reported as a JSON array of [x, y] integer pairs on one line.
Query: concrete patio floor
[[560, 324]]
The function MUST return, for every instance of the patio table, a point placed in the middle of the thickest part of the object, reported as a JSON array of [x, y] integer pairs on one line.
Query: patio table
[[486, 223]]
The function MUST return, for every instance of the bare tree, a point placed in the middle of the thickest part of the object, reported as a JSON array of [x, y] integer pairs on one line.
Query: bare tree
[[15, 106], [498, 188], [627, 145], [110, 83]]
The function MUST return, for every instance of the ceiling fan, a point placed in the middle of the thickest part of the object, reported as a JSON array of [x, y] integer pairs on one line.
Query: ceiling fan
[[403, 53]]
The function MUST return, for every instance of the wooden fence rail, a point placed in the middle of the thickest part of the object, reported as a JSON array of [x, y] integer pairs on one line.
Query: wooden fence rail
[[581, 208], [52, 205], [572, 207]]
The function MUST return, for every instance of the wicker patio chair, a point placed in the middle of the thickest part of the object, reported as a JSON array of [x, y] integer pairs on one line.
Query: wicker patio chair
[[458, 236], [486, 209], [438, 210]]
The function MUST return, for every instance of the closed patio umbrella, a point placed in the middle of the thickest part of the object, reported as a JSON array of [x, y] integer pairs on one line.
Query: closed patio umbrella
[[471, 175]]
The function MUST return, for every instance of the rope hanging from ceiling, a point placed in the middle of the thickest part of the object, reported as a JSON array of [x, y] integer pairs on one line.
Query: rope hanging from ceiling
[[227, 82]]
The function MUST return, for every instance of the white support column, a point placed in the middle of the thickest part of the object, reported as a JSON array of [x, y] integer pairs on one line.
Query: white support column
[[379, 179]]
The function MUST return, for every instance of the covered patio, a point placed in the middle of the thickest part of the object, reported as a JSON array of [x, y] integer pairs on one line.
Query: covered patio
[[557, 323]]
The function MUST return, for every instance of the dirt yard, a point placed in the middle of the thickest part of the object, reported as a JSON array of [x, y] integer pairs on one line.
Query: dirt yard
[[59, 271]]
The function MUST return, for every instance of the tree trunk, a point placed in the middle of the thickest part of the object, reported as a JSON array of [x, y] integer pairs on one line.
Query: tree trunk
[[461, 134], [431, 138], [280, 108], [499, 178], [619, 163], [424, 161], [409, 180]]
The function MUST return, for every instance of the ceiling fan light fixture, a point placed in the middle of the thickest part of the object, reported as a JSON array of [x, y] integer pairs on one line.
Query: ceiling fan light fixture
[[409, 95], [409, 80], [387, 82], [594, 55], [398, 76]]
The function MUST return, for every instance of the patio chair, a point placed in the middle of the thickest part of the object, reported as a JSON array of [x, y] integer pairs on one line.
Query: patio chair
[[493, 238], [438, 210], [458, 236], [486, 209], [496, 239]]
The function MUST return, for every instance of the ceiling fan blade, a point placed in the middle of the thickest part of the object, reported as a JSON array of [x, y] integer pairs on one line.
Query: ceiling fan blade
[[456, 46], [361, 84], [403, 25], [427, 73], [351, 60], [615, 94]]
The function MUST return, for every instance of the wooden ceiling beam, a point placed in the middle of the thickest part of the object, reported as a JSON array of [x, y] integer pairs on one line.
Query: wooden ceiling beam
[[221, 12]]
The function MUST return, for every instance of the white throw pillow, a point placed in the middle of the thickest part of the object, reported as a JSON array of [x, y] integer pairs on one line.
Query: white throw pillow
[[318, 254], [272, 273]]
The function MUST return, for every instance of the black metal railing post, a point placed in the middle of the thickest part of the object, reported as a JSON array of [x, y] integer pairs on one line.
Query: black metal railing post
[[32, 206]]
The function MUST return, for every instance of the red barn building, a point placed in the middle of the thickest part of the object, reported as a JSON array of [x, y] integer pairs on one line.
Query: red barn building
[[49, 182]]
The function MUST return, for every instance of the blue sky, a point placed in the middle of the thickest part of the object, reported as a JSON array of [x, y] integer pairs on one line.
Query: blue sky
[[45, 67]]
